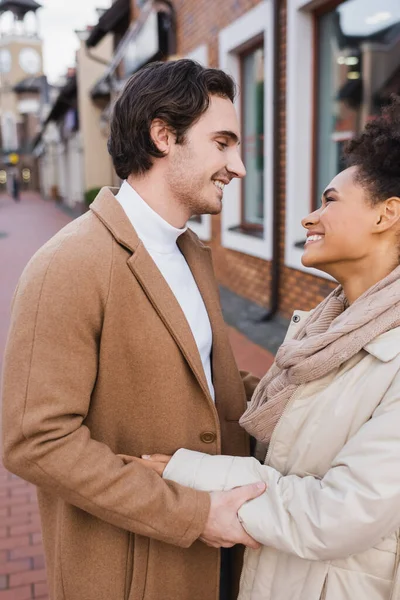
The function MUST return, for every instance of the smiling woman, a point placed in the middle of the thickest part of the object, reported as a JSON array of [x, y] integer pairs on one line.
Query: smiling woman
[[329, 408], [355, 230]]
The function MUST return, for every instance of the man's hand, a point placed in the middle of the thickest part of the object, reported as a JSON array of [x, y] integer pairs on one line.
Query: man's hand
[[223, 528]]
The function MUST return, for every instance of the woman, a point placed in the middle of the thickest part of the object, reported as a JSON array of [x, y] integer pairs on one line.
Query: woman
[[329, 408]]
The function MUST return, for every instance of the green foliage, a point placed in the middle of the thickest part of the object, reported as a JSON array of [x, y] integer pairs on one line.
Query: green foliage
[[90, 195]]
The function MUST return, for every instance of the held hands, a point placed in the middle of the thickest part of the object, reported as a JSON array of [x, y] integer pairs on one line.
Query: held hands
[[223, 528]]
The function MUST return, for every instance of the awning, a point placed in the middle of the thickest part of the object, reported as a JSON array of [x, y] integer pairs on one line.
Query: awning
[[30, 84], [66, 99], [112, 20], [151, 37], [101, 89], [19, 7]]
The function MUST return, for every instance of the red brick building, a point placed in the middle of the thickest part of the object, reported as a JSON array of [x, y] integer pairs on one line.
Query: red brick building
[[310, 75]]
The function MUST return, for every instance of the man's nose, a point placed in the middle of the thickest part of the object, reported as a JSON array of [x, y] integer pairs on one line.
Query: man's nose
[[236, 166]]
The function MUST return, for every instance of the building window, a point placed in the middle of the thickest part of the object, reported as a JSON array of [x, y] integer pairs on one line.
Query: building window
[[324, 107], [357, 68], [246, 51], [252, 110], [9, 132]]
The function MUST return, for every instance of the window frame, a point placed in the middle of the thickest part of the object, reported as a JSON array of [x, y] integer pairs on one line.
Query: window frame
[[246, 226], [254, 25], [300, 124], [329, 6]]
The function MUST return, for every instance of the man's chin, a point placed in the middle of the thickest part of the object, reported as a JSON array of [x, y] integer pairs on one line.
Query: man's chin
[[215, 208], [210, 209]]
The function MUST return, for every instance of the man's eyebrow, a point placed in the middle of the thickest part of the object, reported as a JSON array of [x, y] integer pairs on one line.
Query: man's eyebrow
[[229, 134], [326, 192]]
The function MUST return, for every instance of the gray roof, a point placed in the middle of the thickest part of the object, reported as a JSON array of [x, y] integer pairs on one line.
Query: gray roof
[[19, 7]]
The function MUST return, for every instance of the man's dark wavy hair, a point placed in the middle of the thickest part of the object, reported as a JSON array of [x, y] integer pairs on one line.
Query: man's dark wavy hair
[[376, 154], [177, 92]]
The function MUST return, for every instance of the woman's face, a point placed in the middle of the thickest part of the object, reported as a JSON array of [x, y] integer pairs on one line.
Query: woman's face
[[341, 232]]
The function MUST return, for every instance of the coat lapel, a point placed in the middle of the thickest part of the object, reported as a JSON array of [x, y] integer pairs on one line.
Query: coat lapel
[[224, 370], [109, 211], [166, 305]]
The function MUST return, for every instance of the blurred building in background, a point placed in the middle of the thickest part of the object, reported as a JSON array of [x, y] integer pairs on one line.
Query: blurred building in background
[[22, 85], [311, 74], [71, 145]]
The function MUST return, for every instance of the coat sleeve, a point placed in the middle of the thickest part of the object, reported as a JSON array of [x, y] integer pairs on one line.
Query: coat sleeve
[[250, 383], [50, 371], [349, 510]]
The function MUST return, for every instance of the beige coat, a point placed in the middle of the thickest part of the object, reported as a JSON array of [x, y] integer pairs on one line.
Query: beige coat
[[329, 525], [100, 361]]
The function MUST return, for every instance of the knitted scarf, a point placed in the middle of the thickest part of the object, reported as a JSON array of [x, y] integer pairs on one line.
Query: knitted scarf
[[331, 335]]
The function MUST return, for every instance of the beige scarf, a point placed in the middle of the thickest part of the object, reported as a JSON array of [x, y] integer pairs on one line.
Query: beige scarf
[[330, 336]]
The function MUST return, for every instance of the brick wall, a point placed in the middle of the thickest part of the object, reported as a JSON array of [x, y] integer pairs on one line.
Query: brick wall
[[199, 22]]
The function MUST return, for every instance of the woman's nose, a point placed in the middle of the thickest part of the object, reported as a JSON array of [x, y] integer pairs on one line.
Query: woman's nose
[[310, 220]]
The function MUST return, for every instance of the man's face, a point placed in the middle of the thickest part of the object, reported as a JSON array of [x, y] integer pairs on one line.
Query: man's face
[[207, 160]]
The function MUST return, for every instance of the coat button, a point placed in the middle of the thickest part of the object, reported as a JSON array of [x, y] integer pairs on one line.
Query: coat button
[[296, 318], [208, 437]]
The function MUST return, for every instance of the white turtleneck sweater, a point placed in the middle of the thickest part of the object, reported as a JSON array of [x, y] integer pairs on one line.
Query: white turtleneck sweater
[[159, 238]]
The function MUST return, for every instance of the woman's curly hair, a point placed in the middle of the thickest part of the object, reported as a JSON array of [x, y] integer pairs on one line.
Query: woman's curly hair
[[376, 154]]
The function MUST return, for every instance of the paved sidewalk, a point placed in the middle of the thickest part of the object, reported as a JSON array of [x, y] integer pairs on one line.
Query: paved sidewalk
[[24, 227]]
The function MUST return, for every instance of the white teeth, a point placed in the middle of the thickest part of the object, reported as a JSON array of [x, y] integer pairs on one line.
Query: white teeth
[[219, 184], [314, 238]]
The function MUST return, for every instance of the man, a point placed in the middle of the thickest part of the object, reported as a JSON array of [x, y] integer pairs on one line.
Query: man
[[117, 348]]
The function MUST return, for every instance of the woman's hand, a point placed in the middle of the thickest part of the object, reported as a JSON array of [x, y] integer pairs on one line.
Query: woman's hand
[[157, 462]]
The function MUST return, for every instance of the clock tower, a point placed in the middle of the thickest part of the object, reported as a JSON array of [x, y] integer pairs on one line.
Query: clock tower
[[21, 80]]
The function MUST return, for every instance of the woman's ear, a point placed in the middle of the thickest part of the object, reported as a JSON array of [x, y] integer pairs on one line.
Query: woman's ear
[[388, 214], [161, 136]]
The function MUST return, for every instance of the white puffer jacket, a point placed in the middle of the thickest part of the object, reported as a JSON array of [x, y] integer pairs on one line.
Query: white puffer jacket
[[330, 517]]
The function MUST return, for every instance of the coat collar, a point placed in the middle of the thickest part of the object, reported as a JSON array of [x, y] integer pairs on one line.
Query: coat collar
[[107, 208], [386, 346], [160, 295]]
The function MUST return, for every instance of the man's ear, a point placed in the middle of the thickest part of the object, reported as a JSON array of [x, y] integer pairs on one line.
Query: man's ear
[[162, 136], [388, 214]]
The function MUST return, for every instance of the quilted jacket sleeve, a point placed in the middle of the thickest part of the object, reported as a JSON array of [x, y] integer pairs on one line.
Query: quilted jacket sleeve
[[307, 516]]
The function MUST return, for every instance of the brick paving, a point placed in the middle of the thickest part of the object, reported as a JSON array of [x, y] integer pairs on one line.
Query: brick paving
[[24, 227]]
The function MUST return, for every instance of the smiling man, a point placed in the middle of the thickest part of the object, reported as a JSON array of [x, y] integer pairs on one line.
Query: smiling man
[[118, 348]]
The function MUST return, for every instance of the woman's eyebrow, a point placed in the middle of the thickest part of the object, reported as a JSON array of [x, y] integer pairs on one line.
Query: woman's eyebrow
[[328, 191]]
